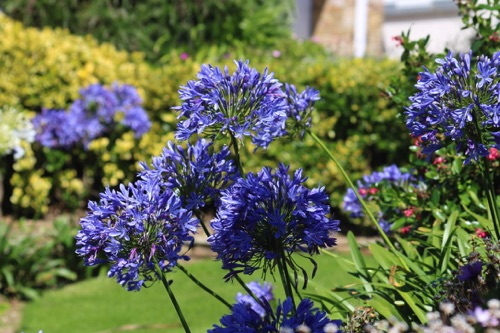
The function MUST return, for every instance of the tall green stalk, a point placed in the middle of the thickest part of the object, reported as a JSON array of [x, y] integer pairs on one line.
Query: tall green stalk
[[365, 207], [351, 185], [285, 279], [490, 194], [172, 298], [488, 182], [202, 286]]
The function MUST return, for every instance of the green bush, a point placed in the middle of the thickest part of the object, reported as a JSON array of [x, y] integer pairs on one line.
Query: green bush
[[157, 26], [46, 68], [36, 258]]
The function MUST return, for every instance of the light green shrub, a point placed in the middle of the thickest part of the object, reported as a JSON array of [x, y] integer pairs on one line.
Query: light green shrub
[[46, 68]]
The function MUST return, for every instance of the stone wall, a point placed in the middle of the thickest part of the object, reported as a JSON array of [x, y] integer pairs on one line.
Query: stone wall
[[333, 26]]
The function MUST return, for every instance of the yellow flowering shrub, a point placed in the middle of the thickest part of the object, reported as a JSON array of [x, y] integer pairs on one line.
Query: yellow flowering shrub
[[47, 68]]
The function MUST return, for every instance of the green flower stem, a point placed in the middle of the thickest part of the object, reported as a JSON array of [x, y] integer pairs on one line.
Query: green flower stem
[[236, 276], [249, 292], [351, 185], [488, 182], [204, 287], [237, 157], [285, 279], [172, 297], [490, 194], [365, 207], [203, 226]]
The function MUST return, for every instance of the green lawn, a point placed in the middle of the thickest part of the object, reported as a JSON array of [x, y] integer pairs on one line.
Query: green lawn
[[100, 305]]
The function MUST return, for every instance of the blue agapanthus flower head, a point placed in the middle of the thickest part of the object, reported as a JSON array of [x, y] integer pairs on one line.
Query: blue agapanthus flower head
[[243, 103], [96, 102], [263, 291], [133, 228], [97, 112], [459, 103], [306, 318], [196, 173], [300, 107], [369, 186], [267, 216]]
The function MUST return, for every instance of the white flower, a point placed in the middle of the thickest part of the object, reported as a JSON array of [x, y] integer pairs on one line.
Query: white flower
[[15, 127]]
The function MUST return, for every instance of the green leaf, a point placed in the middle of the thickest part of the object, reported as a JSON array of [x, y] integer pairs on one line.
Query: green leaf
[[359, 261], [410, 250], [409, 299], [384, 307], [383, 256], [446, 246], [486, 223]]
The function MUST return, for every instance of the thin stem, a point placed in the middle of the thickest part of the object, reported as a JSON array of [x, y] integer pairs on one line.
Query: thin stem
[[204, 287], [285, 279], [490, 194], [488, 181], [251, 293], [237, 157], [172, 297], [351, 185], [203, 226]]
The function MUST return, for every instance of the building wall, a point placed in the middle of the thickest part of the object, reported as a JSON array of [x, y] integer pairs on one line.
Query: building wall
[[334, 25]]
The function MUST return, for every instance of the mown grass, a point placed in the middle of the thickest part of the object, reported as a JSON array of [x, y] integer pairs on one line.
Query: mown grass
[[100, 305]]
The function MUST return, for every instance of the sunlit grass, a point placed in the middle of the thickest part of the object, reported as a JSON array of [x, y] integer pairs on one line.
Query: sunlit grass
[[101, 305]]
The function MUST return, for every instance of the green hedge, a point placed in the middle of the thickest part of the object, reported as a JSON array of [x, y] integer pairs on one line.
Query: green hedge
[[46, 68], [155, 27]]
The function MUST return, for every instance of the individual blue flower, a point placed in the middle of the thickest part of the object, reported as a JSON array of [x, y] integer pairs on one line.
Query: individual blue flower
[[196, 174], [458, 103], [102, 108], [133, 229], [96, 101], [306, 318], [264, 292], [300, 107], [267, 216], [244, 103]]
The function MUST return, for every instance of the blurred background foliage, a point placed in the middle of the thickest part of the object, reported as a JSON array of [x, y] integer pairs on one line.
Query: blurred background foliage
[[49, 50], [46, 69], [156, 27]]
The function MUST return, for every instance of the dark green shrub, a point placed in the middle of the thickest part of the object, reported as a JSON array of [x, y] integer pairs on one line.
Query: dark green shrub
[[34, 257], [157, 26]]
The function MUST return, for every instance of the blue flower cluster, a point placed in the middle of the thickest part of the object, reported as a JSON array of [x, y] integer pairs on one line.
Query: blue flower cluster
[[96, 113], [282, 320], [458, 103], [152, 218], [368, 187], [267, 216], [194, 174], [300, 107], [135, 228], [261, 218], [244, 103]]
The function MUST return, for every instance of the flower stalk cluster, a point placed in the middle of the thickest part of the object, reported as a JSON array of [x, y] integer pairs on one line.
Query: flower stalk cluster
[[145, 228]]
